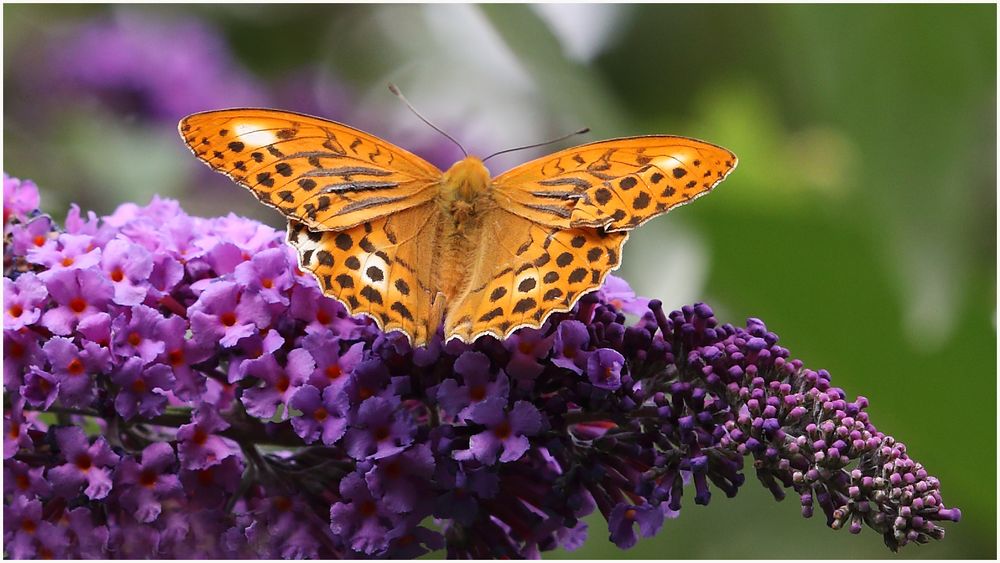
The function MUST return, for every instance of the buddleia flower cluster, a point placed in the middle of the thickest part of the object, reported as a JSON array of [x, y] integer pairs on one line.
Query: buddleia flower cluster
[[175, 387]]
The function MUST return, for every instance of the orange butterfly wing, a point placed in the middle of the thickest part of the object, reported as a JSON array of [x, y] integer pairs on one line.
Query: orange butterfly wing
[[326, 175], [617, 184], [561, 222]]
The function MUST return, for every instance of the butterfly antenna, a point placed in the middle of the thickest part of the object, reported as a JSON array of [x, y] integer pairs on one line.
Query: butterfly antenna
[[563, 138], [395, 90]]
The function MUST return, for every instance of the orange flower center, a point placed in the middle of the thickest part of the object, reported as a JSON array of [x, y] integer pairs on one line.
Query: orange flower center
[[117, 275], [630, 514], [322, 317], [200, 437], [83, 461], [147, 478], [333, 371], [134, 338], [282, 384], [78, 304], [67, 261], [39, 240], [381, 433], [75, 367], [139, 386], [477, 393], [15, 310], [228, 319], [176, 357], [502, 430], [267, 283], [320, 414]]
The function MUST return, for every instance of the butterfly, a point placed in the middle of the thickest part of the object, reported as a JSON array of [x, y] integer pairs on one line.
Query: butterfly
[[394, 238]]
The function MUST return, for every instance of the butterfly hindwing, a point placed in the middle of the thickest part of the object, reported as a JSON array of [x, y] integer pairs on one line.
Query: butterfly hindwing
[[528, 272], [381, 268], [617, 184], [321, 173]]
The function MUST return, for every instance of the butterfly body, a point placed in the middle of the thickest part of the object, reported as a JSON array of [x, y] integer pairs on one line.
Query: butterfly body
[[414, 248]]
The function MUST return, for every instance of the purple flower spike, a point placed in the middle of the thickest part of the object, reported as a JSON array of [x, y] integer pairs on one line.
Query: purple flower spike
[[79, 294], [143, 388], [86, 463], [506, 434], [148, 483], [322, 414], [23, 300], [604, 368], [649, 518]]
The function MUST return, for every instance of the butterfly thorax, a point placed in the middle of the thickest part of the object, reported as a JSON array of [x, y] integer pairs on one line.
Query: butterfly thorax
[[466, 181]]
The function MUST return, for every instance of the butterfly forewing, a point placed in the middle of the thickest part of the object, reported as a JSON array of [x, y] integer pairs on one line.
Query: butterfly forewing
[[617, 184], [326, 175]]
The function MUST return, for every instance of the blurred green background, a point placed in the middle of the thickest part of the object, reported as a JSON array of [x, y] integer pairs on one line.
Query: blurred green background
[[860, 224]]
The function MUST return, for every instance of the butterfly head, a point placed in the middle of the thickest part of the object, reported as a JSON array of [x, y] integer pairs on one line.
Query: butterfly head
[[466, 180]]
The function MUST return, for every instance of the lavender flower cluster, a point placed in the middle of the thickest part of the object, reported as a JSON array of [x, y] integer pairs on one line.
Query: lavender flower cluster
[[176, 387]]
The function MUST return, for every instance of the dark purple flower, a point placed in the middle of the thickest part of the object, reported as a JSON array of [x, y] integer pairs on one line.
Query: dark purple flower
[[526, 348], [333, 369], [323, 315], [569, 349], [649, 518], [198, 445], [506, 434], [322, 414], [87, 540], [23, 480], [225, 314], [146, 484], [474, 367], [142, 388], [21, 350], [604, 368], [23, 301], [40, 388], [279, 383], [85, 463], [402, 479], [26, 535], [359, 519], [210, 487], [379, 429], [79, 294], [74, 368]]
